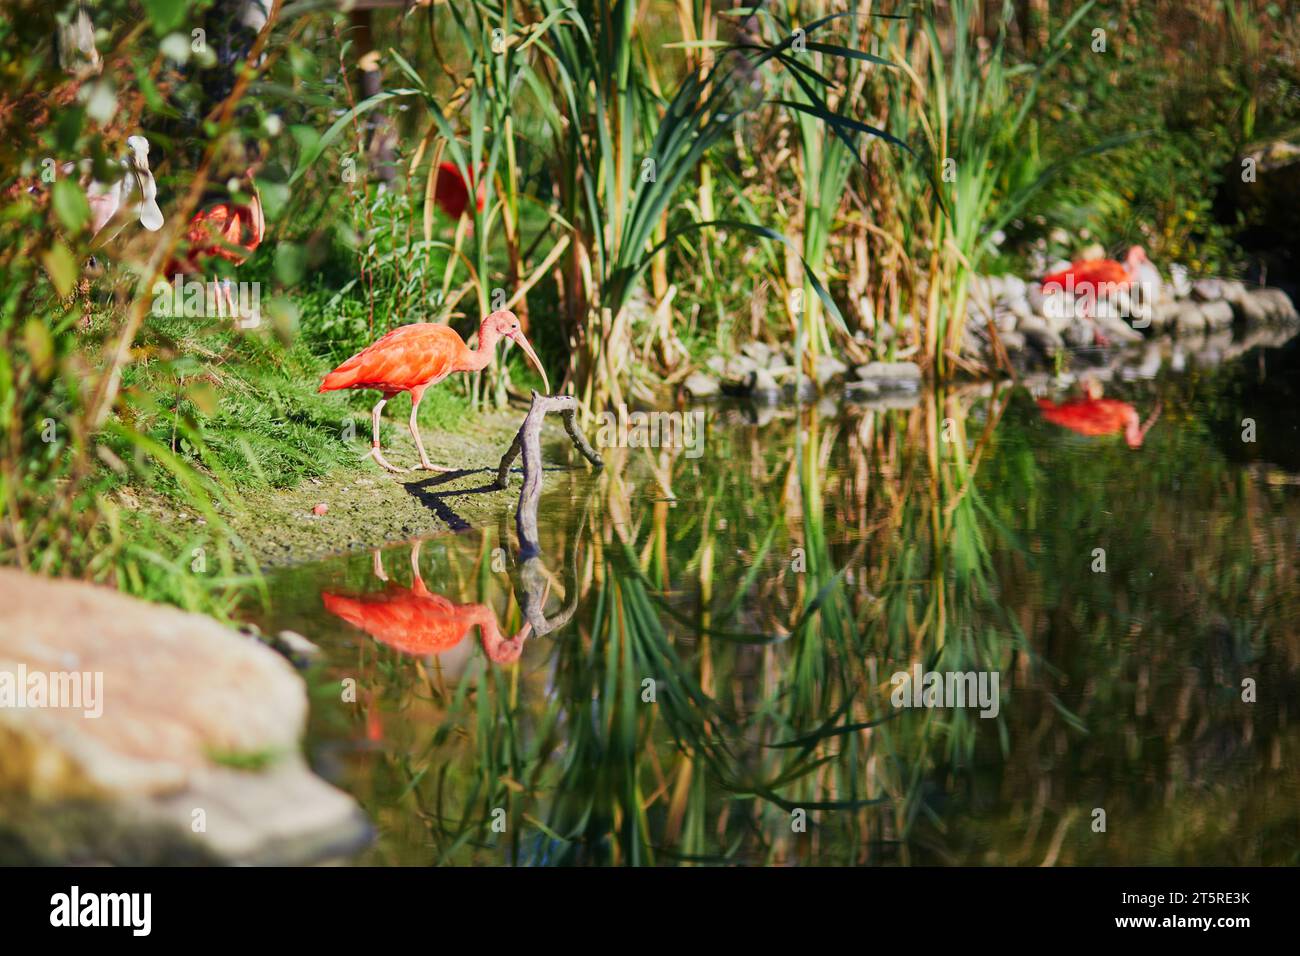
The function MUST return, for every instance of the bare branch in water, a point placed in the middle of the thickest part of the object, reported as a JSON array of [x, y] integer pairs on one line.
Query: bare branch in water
[[528, 441]]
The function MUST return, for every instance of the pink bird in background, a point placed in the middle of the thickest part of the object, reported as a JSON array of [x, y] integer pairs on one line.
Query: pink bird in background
[[1098, 280]]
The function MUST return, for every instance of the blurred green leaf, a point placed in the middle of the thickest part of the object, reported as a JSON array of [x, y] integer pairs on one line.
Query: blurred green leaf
[[62, 268], [176, 46], [275, 196], [67, 128], [40, 347], [70, 205], [290, 262], [101, 102], [306, 136], [165, 14]]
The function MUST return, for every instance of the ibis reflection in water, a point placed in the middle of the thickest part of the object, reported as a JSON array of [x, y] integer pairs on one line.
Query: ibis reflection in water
[[1095, 416], [416, 621], [965, 555]]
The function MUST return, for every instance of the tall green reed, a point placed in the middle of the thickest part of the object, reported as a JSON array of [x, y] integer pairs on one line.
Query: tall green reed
[[974, 105]]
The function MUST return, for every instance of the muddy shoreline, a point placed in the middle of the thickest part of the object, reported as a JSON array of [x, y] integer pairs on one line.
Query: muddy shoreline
[[367, 507]]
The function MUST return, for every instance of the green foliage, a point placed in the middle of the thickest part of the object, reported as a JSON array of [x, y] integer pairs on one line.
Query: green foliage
[[553, 110], [97, 394], [1197, 115]]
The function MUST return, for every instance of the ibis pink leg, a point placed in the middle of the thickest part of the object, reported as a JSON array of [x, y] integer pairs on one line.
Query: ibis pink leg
[[415, 433], [375, 453]]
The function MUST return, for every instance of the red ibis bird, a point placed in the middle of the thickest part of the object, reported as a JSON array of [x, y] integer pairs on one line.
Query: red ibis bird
[[451, 194], [1095, 416], [1096, 280], [416, 621], [226, 230], [413, 357]]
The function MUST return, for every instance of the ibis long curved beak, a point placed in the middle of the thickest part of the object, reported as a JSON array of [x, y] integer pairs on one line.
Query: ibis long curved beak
[[532, 357]]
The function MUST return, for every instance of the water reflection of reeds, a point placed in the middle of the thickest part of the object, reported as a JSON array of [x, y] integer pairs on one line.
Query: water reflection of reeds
[[770, 589]]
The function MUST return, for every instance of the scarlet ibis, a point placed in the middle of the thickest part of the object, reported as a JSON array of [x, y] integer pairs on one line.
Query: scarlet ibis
[[1094, 416], [229, 231], [1096, 279], [451, 194], [416, 621], [413, 357]]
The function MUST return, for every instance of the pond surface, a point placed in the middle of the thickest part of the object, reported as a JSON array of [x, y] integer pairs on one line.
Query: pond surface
[[719, 681]]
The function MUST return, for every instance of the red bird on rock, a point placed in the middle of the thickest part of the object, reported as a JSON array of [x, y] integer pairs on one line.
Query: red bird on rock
[[413, 357], [1096, 280]]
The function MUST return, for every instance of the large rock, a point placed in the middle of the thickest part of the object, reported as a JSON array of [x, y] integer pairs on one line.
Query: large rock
[[973, 343], [981, 294], [1041, 336], [1250, 310], [1232, 289], [891, 376], [734, 369], [193, 756], [700, 385], [1189, 319], [1014, 289], [1057, 319], [762, 387], [1164, 314], [1218, 313], [1036, 298], [1078, 336], [1119, 331], [1012, 341], [780, 368], [1015, 313], [758, 351], [1266, 305], [1208, 290], [827, 368]]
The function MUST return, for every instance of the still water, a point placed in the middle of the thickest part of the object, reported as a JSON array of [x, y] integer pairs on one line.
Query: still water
[[707, 669]]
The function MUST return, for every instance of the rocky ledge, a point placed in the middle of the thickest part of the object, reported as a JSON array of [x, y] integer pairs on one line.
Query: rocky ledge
[[1034, 332], [132, 733]]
